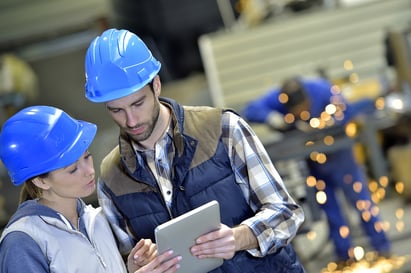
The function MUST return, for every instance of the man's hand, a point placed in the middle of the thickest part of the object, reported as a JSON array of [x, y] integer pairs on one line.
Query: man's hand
[[303, 126], [224, 242], [276, 121]]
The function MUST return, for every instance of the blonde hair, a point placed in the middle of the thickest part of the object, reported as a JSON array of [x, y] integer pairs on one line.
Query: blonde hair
[[29, 191]]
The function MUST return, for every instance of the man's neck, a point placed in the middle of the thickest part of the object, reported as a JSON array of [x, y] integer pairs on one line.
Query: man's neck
[[161, 127]]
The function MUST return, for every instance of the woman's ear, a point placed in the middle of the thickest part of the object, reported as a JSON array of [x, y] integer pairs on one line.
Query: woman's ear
[[39, 182]]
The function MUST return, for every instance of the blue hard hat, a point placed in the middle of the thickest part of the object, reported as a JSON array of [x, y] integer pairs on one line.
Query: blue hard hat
[[117, 64], [40, 139]]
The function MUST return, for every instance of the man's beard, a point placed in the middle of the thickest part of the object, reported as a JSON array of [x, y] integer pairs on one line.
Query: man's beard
[[151, 124]]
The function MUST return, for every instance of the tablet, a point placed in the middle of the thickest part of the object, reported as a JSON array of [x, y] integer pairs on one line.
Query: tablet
[[179, 234]]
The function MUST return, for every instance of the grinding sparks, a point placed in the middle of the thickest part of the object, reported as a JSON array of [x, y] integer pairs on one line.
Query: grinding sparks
[[370, 263]]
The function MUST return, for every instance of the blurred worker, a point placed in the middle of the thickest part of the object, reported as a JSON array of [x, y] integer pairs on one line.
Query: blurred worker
[[53, 230], [173, 158], [300, 101]]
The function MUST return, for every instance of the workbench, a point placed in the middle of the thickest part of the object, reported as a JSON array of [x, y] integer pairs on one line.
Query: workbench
[[299, 145]]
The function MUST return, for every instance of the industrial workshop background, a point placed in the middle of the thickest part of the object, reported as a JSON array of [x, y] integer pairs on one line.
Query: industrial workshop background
[[225, 53]]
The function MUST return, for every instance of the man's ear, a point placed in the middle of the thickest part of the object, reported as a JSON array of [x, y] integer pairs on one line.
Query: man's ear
[[39, 182], [157, 85]]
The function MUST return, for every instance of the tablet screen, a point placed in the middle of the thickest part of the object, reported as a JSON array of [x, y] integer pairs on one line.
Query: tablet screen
[[180, 233]]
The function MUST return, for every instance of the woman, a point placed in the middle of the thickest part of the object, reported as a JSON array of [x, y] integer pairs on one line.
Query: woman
[[53, 230]]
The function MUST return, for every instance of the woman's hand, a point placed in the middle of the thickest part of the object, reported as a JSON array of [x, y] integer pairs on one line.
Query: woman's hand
[[142, 253], [161, 264]]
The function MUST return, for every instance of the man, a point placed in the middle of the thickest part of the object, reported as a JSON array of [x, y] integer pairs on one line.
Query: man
[[294, 105], [173, 158]]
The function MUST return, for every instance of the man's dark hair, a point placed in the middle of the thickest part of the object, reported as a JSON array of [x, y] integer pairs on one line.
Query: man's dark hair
[[295, 91]]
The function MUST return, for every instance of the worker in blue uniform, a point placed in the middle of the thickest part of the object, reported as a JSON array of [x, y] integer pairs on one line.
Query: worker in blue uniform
[[300, 101]]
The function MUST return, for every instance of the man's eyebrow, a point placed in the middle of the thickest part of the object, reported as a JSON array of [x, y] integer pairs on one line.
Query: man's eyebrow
[[110, 108], [133, 102]]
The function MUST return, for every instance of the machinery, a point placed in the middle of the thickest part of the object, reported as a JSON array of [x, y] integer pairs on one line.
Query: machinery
[[18, 88]]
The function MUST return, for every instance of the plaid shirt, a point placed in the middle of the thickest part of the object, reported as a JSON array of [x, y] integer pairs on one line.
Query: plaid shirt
[[277, 216]]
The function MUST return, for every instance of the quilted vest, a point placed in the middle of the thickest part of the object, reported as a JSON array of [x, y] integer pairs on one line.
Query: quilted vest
[[201, 172]]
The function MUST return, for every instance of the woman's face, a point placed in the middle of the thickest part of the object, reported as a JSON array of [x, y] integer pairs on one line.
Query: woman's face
[[74, 181]]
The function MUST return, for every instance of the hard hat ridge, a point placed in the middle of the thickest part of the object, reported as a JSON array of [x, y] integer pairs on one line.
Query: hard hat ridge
[[40, 139], [117, 64]]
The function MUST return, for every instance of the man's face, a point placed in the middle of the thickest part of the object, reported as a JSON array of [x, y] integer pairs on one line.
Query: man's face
[[137, 113]]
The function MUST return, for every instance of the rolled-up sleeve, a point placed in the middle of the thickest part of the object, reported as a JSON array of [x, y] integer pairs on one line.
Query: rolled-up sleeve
[[277, 216]]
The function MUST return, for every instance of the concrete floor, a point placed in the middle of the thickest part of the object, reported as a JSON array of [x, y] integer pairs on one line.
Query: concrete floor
[[316, 251]]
